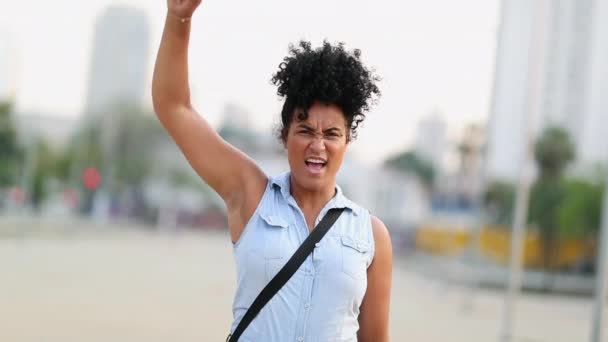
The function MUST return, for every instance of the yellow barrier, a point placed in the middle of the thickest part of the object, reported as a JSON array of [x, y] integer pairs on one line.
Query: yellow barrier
[[442, 241], [494, 243]]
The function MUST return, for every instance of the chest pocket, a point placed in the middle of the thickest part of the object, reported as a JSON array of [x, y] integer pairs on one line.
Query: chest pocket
[[355, 254], [274, 252]]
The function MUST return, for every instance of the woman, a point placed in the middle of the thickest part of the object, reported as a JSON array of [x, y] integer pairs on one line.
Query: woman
[[342, 291]]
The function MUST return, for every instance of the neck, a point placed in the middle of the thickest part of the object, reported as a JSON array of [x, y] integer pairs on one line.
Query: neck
[[312, 200]]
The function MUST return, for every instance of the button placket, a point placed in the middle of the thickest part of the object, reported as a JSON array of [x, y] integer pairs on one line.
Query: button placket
[[317, 255], [304, 310]]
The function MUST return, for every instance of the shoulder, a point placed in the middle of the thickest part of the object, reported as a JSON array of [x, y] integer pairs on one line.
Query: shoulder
[[380, 231], [382, 238]]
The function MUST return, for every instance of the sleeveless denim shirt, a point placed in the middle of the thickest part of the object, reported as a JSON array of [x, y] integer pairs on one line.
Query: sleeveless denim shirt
[[320, 303]]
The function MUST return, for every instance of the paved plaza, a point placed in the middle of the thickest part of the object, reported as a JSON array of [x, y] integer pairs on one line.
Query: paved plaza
[[78, 285]]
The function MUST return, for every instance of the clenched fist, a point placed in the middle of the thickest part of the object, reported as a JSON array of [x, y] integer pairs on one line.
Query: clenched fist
[[182, 8]]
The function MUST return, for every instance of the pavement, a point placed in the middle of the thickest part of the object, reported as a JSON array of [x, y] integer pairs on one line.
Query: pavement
[[74, 281]]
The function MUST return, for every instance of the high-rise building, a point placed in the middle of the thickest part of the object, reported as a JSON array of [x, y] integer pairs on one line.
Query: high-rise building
[[593, 142], [119, 63], [431, 140], [547, 64]]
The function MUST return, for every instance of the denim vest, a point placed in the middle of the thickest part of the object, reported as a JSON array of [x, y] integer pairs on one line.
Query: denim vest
[[321, 301]]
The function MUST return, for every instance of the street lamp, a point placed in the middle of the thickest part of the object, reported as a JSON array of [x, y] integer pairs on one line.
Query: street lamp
[[601, 274], [536, 58]]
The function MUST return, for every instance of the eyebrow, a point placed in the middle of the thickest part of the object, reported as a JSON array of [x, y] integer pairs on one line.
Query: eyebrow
[[305, 126], [331, 129]]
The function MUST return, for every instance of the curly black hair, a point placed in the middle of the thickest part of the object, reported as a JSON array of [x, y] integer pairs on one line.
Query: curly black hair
[[328, 74]]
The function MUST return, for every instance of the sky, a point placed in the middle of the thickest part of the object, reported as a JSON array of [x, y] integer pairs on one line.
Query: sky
[[433, 55]]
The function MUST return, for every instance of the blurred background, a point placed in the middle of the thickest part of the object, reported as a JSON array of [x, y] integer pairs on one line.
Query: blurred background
[[487, 158]]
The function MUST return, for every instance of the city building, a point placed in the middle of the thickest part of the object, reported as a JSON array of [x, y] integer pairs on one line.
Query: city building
[[549, 71], [119, 65], [431, 140], [593, 144]]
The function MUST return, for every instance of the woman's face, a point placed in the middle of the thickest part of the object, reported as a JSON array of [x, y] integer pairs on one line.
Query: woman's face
[[316, 146]]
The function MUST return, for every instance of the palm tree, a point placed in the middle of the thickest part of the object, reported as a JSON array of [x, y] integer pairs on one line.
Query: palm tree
[[553, 152]]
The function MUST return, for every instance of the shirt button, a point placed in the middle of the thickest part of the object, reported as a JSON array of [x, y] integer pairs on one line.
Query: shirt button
[[317, 244], [307, 305], [300, 339]]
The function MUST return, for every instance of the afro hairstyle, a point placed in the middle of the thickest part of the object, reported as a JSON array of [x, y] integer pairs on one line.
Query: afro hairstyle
[[328, 74]]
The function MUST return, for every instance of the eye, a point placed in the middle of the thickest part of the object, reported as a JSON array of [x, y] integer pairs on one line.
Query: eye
[[333, 135], [304, 132]]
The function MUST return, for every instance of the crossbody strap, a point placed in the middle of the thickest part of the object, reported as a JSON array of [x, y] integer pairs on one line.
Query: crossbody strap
[[290, 268]]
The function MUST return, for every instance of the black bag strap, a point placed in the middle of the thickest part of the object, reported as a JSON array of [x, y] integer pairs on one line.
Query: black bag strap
[[290, 268]]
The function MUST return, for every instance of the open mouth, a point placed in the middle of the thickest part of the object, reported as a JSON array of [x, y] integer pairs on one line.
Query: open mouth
[[315, 165]]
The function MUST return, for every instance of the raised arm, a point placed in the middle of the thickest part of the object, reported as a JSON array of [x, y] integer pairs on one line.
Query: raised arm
[[233, 175]]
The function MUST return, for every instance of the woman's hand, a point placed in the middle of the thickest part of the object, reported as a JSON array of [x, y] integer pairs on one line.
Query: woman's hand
[[182, 8]]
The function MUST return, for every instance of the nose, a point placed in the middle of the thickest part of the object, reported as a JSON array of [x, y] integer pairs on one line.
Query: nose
[[317, 143]]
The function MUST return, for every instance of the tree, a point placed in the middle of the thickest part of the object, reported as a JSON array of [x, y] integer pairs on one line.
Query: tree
[[84, 151], [138, 137], [580, 211], [44, 167], [410, 162], [553, 152], [499, 199], [10, 154], [470, 148]]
